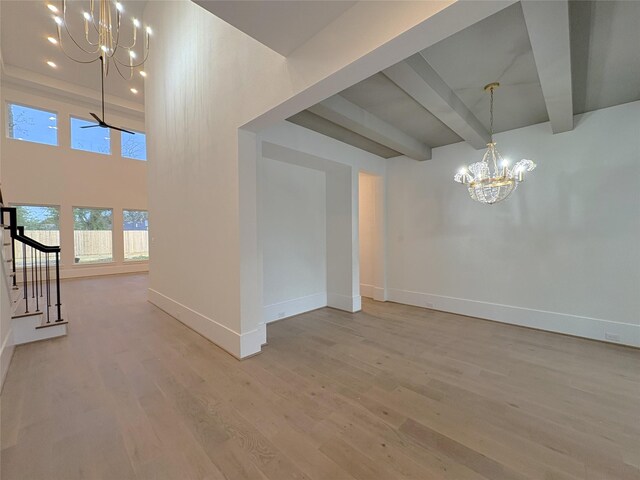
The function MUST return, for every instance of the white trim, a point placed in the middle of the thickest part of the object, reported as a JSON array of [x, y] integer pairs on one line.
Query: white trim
[[239, 346], [593, 328], [6, 354], [366, 290], [343, 302], [371, 291], [296, 306], [44, 84], [94, 270], [87, 270]]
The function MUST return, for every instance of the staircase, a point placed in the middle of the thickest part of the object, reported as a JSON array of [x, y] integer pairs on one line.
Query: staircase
[[33, 273]]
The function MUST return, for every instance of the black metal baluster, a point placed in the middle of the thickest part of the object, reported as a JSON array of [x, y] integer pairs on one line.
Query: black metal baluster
[[37, 254], [41, 276], [59, 305], [48, 287], [33, 285], [13, 262], [24, 277]]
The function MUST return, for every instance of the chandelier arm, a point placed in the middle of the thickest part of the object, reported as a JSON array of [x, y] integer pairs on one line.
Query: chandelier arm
[[133, 44], [64, 22], [135, 65], [117, 40], [68, 55], [121, 74]]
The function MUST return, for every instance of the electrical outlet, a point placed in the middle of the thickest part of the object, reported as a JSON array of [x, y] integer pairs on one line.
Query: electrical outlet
[[612, 337]]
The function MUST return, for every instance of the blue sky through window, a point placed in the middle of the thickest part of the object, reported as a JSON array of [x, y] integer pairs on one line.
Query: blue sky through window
[[32, 125], [133, 146], [96, 140]]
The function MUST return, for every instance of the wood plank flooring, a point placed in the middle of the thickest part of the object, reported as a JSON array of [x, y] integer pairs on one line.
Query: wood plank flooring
[[394, 392]]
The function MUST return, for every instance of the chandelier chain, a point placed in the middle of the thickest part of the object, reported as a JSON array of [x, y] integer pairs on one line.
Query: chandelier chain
[[491, 116]]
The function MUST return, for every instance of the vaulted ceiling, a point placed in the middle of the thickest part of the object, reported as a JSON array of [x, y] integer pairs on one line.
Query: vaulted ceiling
[[25, 26], [552, 59]]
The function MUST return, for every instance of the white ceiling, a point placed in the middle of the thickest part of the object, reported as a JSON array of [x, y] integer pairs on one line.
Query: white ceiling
[[25, 26], [280, 25], [605, 65]]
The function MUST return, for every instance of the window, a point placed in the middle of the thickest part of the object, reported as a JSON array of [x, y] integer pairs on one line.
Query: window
[[133, 146], [97, 140], [42, 223], [93, 235], [135, 225], [32, 125]]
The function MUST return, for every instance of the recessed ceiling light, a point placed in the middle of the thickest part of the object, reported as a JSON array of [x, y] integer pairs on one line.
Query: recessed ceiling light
[[134, 91], [53, 8], [52, 40], [143, 73], [51, 64]]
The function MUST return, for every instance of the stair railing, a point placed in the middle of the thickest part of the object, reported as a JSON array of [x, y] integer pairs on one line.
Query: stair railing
[[37, 263]]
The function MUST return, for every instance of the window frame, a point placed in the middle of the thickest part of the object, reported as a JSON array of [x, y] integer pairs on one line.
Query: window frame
[[71, 147], [8, 104], [93, 264], [58, 207], [131, 158], [124, 258]]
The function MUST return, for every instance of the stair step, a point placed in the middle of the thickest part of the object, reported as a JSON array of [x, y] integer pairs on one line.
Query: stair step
[[52, 324], [6, 244], [30, 314]]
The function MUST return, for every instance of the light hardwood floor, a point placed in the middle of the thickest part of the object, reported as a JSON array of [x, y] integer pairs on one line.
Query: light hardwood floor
[[394, 392]]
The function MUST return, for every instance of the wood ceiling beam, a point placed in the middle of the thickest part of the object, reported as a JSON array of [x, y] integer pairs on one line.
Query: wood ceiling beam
[[342, 112], [548, 26], [422, 83]]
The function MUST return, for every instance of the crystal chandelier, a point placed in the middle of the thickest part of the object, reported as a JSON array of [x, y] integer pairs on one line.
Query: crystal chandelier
[[491, 180], [102, 28]]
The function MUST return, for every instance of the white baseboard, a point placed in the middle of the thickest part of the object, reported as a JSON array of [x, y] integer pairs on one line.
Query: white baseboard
[[79, 271], [371, 291], [238, 345], [366, 290], [95, 270], [6, 354], [289, 308], [593, 328], [343, 302]]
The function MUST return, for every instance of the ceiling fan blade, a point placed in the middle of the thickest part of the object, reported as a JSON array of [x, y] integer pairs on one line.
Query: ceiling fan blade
[[96, 117], [121, 130], [91, 126]]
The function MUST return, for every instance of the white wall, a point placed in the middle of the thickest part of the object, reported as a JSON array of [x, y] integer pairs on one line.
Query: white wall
[[209, 88], [367, 233], [562, 254], [39, 174], [6, 335], [292, 232]]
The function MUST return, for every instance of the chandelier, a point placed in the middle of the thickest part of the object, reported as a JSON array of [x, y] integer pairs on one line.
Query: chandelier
[[102, 29], [491, 180]]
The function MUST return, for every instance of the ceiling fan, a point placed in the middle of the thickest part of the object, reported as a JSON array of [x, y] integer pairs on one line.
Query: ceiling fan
[[101, 123]]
